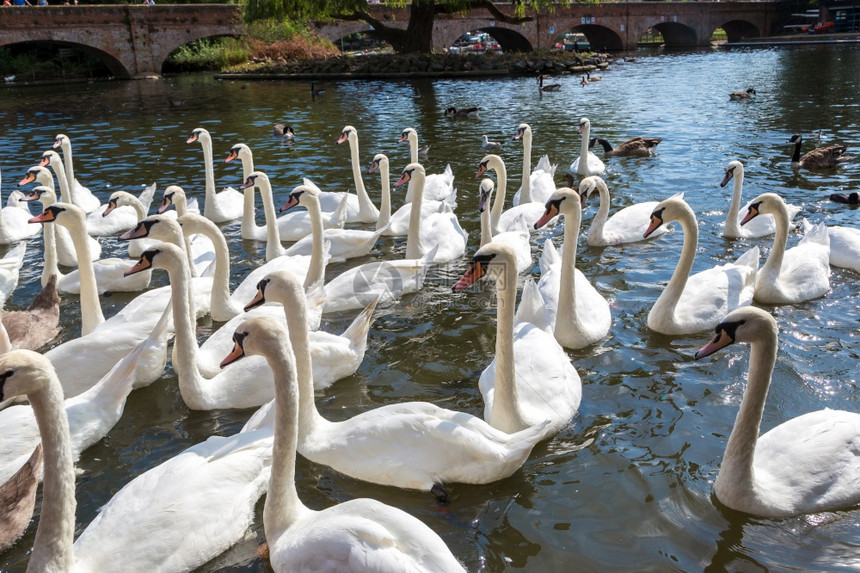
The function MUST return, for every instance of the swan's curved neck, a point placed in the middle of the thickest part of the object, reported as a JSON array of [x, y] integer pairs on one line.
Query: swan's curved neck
[[568, 325], [385, 205], [67, 193], [414, 246], [283, 505], [49, 240], [52, 548], [274, 248], [295, 312], [506, 414], [367, 211], [220, 305], [209, 170], [486, 225], [249, 208], [599, 220], [526, 189], [413, 146], [91, 310], [773, 265], [736, 471], [185, 344], [316, 268], [137, 205], [670, 296], [501, 190], [68, 162], [582, 169], [733, 228]]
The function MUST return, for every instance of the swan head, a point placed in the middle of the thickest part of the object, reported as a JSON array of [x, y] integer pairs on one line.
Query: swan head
[[277, 286], [671, 209], [490, 161], [745, 324], [586, 187], [303, 194], [256, 336], [485, 192], [24, 372], [238, 150], [765, 204], [51, 158], [407, 135], [411, 171], [42, 194], [492, 259], [734, 169], [63, 213], [583, 124], [39, 174], [172, 195], [159, 227], [117, 199], [60, 140], [163, 256], [255, 179], [378, 160], [348, 133], [522, 130], [198, 134], [563, 201]]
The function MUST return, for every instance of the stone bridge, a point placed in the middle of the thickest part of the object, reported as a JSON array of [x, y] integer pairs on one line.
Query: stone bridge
[[132, 40], [608, 26]]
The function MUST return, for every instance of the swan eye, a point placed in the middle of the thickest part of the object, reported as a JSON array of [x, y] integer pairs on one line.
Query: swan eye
[[239, 339], [261, 286]]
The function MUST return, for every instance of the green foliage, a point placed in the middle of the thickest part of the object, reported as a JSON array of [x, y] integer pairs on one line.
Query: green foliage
[[208, 54]]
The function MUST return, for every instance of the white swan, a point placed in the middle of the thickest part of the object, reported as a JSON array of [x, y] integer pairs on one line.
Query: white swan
[[109, 273], [223, 206], [537, 185], [360, 209], [243, 386], [292, 226], [437, 186], [140, 206], [587, 163], [518, 241], [758, 227], [415, 445], [579, 315], [808, 464], [201, 249], [81, 196], [507, 220], [627, 225], [250, 230], [67, 256], [397, 224], [531, 378], [357, 535], [342, 244], [172, 518], [691, 304], [124, 213], [10, 269], [381, 281], [13, 224], [439, 237], [91, 414], [844, 245], [797, 274]]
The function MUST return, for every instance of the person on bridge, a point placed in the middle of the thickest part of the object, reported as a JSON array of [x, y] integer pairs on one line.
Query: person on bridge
[[21, 3]]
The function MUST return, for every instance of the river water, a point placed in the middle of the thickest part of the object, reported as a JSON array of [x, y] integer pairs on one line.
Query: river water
[[628, 486]]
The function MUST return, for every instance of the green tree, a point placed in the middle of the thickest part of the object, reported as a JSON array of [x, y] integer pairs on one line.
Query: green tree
[[418, 35]]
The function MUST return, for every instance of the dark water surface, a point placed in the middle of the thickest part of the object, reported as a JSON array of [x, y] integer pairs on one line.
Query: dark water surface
[[628, 486]]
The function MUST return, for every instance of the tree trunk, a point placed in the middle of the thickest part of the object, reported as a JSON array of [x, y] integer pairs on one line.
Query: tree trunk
[[419, 32]]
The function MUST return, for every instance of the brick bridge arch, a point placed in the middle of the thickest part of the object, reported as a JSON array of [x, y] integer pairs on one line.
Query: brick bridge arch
[[132, 40], [615, 26]]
